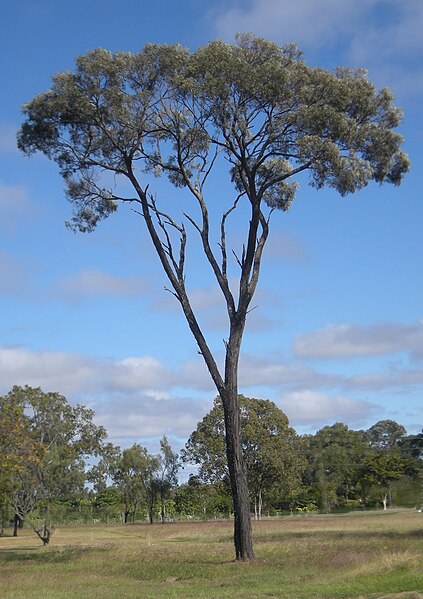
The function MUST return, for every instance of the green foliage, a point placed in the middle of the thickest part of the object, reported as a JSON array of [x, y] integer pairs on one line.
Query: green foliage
[[19, 450], [196, 499], [140, 477], [166, 477], [133, 472], [334, 456], [271, 449], [346, 465], [61, 437], [385, 434], [166, 109]]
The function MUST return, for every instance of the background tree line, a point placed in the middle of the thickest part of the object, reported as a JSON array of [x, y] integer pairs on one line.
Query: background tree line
[[57, 466]]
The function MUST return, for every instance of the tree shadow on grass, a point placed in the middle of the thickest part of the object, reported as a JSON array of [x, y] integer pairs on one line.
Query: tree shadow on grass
[[331, 535], [40, 554]]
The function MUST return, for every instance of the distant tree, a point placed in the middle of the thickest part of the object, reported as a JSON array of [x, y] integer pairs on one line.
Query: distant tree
[[270, 448], [134, 471], [383, 468], [388, 463], [99, 473], [107, 505], [19, 453], [254, 108], [198, 499], [166, 477], [385, 434], [412, 446], [334, 456], [67, 436]]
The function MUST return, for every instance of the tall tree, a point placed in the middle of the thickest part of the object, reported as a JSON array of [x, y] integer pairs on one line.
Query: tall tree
[[270, 448], [255, 107]]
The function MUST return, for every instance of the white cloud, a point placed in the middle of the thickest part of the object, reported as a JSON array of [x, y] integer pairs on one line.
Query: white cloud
[[140, 416], [132, 374], [310, 407], [132, 398], [312, 23], [393, 50], [139, 397], [51, 370], [345, 340], [72, 373], [92, 283], [384, 36], [277, 371], [393, 378]]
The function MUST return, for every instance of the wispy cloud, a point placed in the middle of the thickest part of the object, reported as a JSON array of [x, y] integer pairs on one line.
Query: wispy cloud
[[302, 21], [346, 340], [382, 36], [92, 283], [280, 372], [313, 408]]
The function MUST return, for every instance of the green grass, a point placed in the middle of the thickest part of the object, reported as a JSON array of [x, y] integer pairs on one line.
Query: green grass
[[362, 556]]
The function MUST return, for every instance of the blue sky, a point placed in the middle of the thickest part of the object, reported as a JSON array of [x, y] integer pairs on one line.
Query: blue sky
[[337, 334]]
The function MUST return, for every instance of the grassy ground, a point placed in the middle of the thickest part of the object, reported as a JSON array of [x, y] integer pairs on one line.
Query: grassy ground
[[362, 556]]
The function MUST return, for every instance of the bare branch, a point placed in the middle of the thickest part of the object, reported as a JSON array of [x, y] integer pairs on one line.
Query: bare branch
[[223, 234]]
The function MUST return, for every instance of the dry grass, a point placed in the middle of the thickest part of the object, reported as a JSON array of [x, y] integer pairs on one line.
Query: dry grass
[[359, 556]]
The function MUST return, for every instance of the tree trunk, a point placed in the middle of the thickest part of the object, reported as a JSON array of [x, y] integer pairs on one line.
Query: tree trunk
[[163, 509], [389, 497], [16, 525], [134, 513], [260, 504], [242, 517], [385, 501]]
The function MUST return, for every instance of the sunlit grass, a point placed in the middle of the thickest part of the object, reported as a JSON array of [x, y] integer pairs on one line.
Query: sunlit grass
[[358, 556]]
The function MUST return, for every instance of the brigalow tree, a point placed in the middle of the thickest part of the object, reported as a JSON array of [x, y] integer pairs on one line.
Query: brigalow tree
[[253, 110]]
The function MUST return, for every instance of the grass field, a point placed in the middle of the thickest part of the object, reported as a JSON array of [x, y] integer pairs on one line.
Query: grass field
[[370, 555]]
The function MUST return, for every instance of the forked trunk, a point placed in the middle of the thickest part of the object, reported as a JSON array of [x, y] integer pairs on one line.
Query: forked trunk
[[242, 517]]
